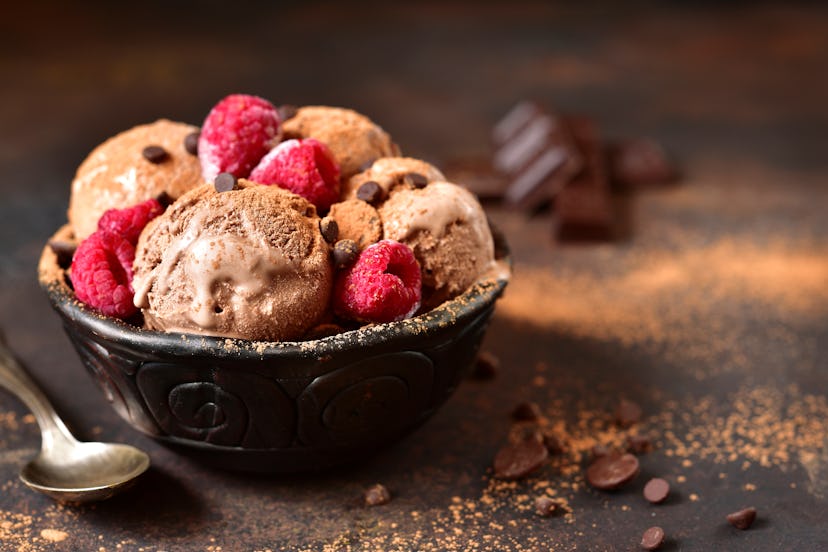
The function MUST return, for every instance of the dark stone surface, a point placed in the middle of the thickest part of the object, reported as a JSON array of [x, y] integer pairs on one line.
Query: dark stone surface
[[735, 93]]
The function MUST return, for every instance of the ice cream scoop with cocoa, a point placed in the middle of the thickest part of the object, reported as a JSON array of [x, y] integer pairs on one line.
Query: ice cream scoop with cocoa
[[242, 251]]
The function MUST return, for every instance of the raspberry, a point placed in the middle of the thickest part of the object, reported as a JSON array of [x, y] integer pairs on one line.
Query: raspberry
[[129, 222], [305, 167], [102, 274], [383, 285], [236, 134]]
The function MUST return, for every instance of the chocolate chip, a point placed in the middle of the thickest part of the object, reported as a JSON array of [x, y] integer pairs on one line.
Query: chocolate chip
[[652, 539], [627, 413], [377, 495], [526, 411], [329, 229], [656, 490], [416, 180], [191, 142], [370, 192], [486, 367], [155, 154], [225, 182], [545, 506], [612, 471], [64, 250], [286, 112], [164, 199], [517, 460], [742, 519], [639, 444], [345, 253]]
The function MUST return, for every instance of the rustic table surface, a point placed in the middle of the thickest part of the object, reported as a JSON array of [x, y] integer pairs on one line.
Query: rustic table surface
[[711, 312]]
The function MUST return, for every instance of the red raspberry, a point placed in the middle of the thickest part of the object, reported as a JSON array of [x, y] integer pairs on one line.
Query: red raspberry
[[102, 273], [305, 167], [383, 285], [236, 134], [129, 222]]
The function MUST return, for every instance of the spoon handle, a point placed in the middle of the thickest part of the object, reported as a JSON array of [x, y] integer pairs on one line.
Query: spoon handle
[[14, 378]]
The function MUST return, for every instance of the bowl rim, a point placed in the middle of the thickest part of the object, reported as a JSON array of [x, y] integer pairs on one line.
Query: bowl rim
[[482, 293]]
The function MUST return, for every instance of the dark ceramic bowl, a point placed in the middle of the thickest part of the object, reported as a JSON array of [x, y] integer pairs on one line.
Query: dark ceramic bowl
[[279, 407]]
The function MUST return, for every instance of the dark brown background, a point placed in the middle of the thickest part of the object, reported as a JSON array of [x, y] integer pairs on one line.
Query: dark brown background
[[736, 92]]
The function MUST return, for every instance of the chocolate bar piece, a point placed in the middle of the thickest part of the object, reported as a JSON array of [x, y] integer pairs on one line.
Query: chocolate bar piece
[[478, 176], [537, 153], [640, 163], [583, 208]]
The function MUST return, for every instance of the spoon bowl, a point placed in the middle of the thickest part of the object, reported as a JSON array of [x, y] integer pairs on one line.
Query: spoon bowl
[[92, 471], [67, 469]]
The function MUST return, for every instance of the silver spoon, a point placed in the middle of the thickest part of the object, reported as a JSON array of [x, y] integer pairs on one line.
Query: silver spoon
[[66, 469]]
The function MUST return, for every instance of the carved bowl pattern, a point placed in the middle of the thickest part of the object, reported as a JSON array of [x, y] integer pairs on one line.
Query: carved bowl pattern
[[281, 407]]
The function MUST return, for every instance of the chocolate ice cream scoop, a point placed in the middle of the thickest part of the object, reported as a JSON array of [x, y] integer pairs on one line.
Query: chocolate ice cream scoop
[[133, 166], [447, 229], [246, 263], [353, 138], [390, 172]]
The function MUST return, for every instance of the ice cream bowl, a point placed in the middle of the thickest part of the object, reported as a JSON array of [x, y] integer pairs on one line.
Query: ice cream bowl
[[281, 406]]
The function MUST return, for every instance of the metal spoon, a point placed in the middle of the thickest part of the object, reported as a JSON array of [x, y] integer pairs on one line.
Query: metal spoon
[[66, 469]]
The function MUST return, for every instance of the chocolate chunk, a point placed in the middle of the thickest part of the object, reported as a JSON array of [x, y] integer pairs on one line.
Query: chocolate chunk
[[599, 450], [286, 112], [225, 182], [377, 495], [540, 159], [370, 192], [526, 411], [64, 250], [345, 253], [656, 490], [742, 519], [612, 471], [627, 413], [640, 163], [552, 442], [584, 208], [329, 229], [639, 444], [652, 539], [191, 142], [486, 366], [155, 154], [545, 506], [518, 460], [416, 180]]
